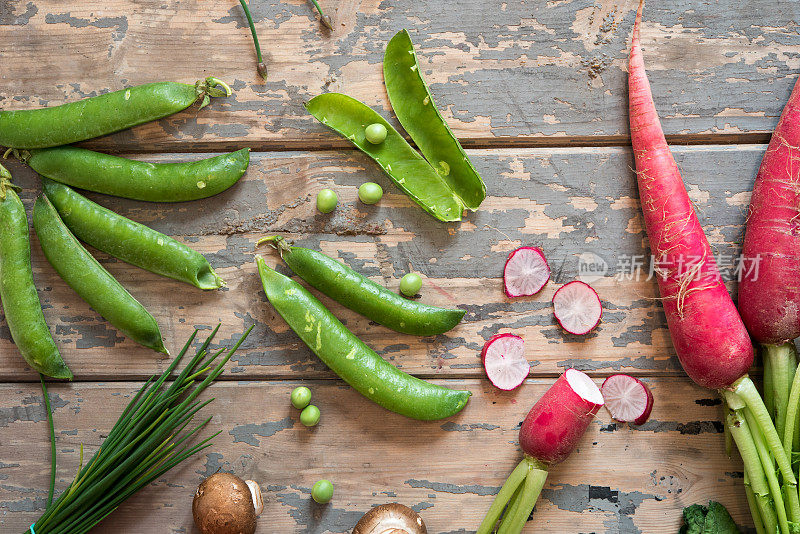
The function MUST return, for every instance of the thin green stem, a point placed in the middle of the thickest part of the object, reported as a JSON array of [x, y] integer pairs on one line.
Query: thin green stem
[[506, 492], [769, 391], [513, 504], [751, 503], [755, 471], [262, 67], [323, 18], [49, 411], [790, 432], [769, 470], [728, 437], [534, 483], [745, 388], [782, 365]]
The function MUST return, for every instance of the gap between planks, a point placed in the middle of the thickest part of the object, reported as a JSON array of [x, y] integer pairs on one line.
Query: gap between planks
[[317, 145], [242, 377]]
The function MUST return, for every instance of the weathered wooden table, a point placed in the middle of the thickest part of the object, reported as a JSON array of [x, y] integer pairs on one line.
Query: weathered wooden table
[[537, 92]]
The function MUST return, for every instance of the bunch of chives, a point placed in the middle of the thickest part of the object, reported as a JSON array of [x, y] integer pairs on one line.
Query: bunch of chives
[[152, 436]]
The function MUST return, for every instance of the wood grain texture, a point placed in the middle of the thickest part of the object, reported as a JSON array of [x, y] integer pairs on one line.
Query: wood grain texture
[[620, 479], [568, 201], [501, 72]]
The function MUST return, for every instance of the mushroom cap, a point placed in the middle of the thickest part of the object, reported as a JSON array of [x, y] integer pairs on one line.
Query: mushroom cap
[[391, 518], [223, 504]]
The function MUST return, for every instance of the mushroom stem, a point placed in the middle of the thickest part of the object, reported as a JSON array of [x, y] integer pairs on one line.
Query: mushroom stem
[[255, 492]]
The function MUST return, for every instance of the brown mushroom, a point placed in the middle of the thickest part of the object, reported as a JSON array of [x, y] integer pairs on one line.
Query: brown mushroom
[[391, 519], [226, 504]]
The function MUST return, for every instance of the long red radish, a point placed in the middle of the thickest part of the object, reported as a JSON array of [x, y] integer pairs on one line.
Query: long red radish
[[504, 360], [707, 332], [709, 337], [550, 432], [627, 398], [769, 292]]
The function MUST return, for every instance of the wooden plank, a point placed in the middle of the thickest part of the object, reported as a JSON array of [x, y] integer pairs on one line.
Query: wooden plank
[[568, 201], [620, 479], [537, 72]]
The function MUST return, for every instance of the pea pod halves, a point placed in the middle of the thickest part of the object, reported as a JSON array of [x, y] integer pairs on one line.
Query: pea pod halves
[[103, 114], [21, 306], [139, 180], [407, 169], [90, 280], [413, 104], [364, 296], [351, 359], [130, 241]]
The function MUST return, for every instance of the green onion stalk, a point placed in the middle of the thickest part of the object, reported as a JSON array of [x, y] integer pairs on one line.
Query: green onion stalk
[[323, 18], [154, 434], [261, 68]]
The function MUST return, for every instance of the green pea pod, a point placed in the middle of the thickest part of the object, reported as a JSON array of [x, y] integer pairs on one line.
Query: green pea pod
[[129, 241], [139, 180], [21, 305], [364, 296], [104, 114], [351, 359], [413, 104], [90, 280], [407, 169]]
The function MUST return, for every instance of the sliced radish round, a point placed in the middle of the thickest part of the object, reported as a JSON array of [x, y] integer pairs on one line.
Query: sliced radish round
[[504, 360], [628, 399], [526, 272], [577, 307]]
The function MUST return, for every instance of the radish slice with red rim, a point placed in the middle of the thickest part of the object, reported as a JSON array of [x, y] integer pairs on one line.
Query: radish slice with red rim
[[526, 272], [628, 399], [504, 361], [577, 307], [584, 387]]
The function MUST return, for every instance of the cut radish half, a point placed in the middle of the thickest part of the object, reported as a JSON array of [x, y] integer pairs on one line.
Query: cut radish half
[[628, 399], [504, 360], [577, 307], [526, 272], [584, 387]]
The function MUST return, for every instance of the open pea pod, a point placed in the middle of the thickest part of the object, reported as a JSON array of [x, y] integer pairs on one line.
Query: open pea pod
[[407, 169], [413, 104]]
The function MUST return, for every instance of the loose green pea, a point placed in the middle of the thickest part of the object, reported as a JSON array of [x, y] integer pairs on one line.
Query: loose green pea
[[327, 200], [310, 415], [301, 396], [410, 284], [370, 193], [375, 133], [322, 492]]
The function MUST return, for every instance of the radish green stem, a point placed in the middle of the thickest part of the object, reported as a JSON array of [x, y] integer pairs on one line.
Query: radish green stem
[[49, 411], [769, 471], [534, 483], [323, 18], [745, 388], [769, 391], [790, 432], [728, 437], [751, 503], [754, 469], [513, 504], [514, 480], [262, 67], [782, 366], [513, 507]]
